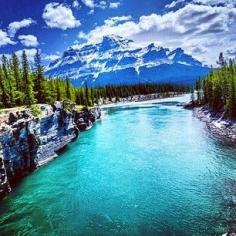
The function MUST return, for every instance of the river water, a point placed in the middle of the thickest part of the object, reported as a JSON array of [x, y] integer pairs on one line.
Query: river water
[[150, 169]]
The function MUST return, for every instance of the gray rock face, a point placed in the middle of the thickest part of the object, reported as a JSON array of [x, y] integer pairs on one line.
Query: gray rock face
[[28, 142], [217, 123], [4, 184]]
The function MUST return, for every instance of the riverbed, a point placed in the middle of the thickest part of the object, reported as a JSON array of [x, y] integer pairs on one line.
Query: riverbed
[[145, 169]]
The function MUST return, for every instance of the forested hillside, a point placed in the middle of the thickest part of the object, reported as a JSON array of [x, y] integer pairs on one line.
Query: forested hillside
[[24, 84], [218, 89]]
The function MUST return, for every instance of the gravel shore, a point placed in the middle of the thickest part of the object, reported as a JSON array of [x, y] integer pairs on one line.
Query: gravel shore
[[217, 123]]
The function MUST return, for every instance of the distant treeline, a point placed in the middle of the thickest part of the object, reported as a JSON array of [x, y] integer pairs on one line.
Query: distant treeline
[[218, 88], [22, 85], [93, 95]]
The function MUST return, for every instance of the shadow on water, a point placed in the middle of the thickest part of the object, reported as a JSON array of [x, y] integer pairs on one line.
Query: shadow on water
[[113, 110], [221, 141], [105, 225], [154, 105], [163, 229], [134, 106], [167, 103], [227, 199]]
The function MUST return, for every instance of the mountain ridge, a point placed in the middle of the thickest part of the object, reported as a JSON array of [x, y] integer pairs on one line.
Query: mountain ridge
[[116, 61]]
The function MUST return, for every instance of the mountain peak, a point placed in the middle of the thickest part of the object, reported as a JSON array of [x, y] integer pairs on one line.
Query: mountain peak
[[109, 42], [70, 52], [178, 51], [109, 38], [151, 46], [113, 41], [116, 60]]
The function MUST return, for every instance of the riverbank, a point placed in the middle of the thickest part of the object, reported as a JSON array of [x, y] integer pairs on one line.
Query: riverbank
[[29, 140], [217, 123], [150, 99]]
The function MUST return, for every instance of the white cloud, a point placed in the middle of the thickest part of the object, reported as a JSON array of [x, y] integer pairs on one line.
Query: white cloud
[[91, 12], [216, 2], [231, 52], [114, 5], [75, 4], [51, 57], [174, 3], [192, 23], [89, 3], [229, 3], [29, 52], [59, 16], [190, 20], [28, 40], [5, 39], [112, 21], [102, 4], [82, 35], [16, 25]]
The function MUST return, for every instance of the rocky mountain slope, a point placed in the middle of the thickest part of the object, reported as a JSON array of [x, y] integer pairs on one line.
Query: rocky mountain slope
[[117, 61]]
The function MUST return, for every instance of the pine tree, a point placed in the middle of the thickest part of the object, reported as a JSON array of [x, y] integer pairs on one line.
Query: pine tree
[[19, 88], [219, 88], [221, 60], [58, 92], [9, 85], [68, 92], [5, 101], [29, 97], [16, 71], [86, 94], [40, 84]]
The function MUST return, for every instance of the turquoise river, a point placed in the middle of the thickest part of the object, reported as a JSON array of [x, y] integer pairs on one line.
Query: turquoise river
[[144, 169]]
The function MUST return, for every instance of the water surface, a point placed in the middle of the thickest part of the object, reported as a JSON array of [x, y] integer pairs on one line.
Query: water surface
[[148, 169]]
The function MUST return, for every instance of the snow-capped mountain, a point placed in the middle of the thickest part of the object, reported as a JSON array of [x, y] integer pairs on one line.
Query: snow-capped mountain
[[117, 61]]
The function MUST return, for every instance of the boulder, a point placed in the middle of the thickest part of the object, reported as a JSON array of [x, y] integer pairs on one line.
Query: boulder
[[12, 118], [82, 126]]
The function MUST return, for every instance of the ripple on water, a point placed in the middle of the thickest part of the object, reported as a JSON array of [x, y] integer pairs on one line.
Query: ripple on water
[[151, 170]]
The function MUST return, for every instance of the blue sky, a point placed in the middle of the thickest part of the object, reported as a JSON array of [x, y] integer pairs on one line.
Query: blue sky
[[201, 27]]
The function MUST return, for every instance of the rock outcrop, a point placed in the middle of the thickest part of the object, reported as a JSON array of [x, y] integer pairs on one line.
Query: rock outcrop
[[28, 142], [217, 123]]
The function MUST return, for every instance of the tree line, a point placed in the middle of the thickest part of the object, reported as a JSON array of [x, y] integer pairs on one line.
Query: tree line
[[21, 84], [89, 96], [218, 88], [24, 84]]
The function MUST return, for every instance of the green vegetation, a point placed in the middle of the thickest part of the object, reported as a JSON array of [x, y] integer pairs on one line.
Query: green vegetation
[[21, 85], [36, 111], [123, 91], [218, 89]]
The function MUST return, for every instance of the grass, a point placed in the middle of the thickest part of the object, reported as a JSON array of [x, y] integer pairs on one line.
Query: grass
[[36, 111], [13, 109], [79, 107]]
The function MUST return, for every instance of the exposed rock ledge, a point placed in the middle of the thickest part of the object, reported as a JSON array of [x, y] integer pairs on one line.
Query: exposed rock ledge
[[217, 123], [27, 142]]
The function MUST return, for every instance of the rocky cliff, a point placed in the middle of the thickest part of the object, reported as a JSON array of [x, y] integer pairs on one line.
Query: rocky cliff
[[28, 142]]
